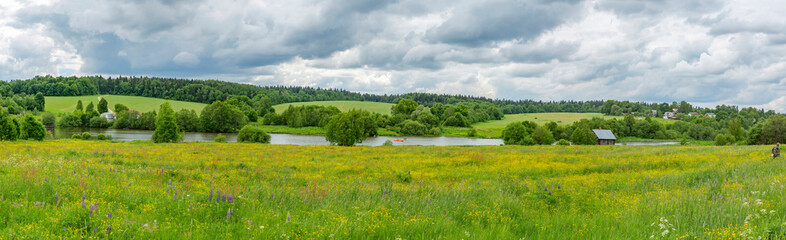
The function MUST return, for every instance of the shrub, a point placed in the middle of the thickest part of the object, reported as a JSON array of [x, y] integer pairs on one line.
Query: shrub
[[76, 136], [724, 139], [101, 136], [220, 138], [86, 136], [563, 142], [70, 120], [388, 143], [48, 119], [33, 128], [253, 134], [410, 127], [98, 122], [472, 132]]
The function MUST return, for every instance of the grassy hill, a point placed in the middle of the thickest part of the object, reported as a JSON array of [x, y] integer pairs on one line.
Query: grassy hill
[[541, 118], [382, 108], [142, 104]]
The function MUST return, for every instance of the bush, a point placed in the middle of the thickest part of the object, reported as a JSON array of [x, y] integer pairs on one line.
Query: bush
[[724, 139], [583, 136], [70, 120], [76, 136], [101, 137], [98, 122], [410, 127], [519, 133], [86, 136], [48, 119], [220, 138], [388, 143], [33, 129], [253, 134], [563, 142], [472, 132]]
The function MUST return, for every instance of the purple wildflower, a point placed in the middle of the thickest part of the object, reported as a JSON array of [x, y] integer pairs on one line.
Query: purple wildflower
[[92, 209], [211, 194], [83, 200], [46, 179], [229, 214], [190, 207], [559, 186], [175, 197], [288, 218], [224, 197], [109, 215], [57, 199], [272, 197], [129, 184], [549, 192], [109, 230], [170, 182], [230, 199], [218, 195], [545, 188]]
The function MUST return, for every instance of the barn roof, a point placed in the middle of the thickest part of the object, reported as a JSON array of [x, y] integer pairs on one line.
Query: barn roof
[[604, 134]]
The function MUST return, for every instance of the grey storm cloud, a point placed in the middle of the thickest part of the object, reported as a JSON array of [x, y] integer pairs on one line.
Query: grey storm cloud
[[707, 52]]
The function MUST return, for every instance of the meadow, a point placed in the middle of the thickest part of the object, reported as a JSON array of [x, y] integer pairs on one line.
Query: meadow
[[89, 189], [141, 104], [344, 106]]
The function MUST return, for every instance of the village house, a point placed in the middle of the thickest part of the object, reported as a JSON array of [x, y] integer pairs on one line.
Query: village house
[[709, 115], [668, 115], [694, 114], [109, 116], [604, 137]]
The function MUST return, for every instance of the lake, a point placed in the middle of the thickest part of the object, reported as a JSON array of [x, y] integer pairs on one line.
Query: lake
[[130, 135]]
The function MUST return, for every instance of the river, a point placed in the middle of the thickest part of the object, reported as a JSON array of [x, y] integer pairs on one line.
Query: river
[[290, 139]]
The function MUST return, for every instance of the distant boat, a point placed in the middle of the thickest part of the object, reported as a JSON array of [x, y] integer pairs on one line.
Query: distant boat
[[400, 140]]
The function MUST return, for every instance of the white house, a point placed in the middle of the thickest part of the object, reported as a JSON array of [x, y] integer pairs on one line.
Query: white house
[[109, 116]]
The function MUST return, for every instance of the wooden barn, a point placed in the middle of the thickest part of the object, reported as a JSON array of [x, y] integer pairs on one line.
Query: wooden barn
[[604, 137]]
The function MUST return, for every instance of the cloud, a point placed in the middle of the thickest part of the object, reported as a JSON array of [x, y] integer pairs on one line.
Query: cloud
[[706, 52]]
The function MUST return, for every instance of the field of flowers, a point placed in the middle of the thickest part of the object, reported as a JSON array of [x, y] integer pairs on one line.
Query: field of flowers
[[83, 189]]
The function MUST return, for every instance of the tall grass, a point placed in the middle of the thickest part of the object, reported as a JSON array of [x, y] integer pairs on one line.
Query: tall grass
[[321, 192]]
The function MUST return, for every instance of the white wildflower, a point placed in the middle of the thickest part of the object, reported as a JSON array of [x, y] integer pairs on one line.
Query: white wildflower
[[663, 234]]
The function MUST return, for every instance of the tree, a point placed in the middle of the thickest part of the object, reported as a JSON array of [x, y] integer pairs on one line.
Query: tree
[[33, 128], [120, 108], [222, 117], [40, 101], [166, 125], [774, 130], [48, 119], [103, 106], [518, 133], [583, 136], [405, 106], [457, 120], [70, 120], [79, 106], [9, 128], [542, 136], [253, 134], [345, 129], [735, 129], [187, 120]]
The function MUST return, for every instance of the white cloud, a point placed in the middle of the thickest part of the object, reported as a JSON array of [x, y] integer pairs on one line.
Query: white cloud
[[670, 50]]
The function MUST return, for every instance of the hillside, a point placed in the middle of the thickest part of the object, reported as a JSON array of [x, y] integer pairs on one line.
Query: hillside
[[540, 119], [141, 104], [376, 107]]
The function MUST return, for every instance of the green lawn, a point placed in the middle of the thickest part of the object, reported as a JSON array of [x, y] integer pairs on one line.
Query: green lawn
[[141, 104], [382, 108], [541, 118]]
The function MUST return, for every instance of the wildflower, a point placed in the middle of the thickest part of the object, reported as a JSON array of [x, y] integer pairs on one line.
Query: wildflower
[[663, 234], [229, 214], [57, 199], [129, 184], [109, 230], [83, 200], [288, 219], [272, 197], [46, 179], [92, 208], [211, 194], [261, 227], [559, 186], [170, 182], [190, 207], [218, 195], [231, 199]]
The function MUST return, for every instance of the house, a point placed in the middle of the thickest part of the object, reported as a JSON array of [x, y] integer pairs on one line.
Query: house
[[694, 114], [709, 115], [604, 137], [653, 113], [109, 116], [668, 115], [675, 110]]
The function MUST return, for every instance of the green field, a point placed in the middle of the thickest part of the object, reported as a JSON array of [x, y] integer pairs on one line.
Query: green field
[[141, 104], [168, 191], [540, 119], [376, 107]]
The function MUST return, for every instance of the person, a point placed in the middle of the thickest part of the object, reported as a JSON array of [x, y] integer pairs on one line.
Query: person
[[776, 151]]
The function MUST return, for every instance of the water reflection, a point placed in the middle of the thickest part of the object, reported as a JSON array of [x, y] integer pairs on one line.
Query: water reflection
[[130, 135]]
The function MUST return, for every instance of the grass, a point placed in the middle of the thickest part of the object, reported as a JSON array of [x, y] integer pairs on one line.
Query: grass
[[167, 191], [141, 104], [541, 118], [376, 107]]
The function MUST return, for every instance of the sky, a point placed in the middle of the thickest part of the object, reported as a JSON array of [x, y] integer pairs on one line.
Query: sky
[[705, 52]]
